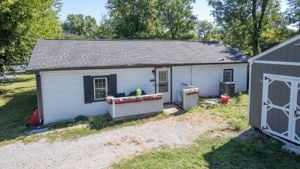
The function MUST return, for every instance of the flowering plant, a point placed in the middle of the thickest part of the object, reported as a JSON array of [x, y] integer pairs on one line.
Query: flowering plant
[[133, 99]]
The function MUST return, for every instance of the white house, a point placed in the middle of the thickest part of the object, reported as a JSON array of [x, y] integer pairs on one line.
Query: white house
[[75, 76]]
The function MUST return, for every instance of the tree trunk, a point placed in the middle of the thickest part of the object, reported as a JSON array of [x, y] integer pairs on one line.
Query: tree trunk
[[257, 24], [174, 33], [2, 67], [254, 31]]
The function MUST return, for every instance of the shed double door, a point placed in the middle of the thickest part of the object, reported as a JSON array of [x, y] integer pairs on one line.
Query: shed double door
[[281, 106]]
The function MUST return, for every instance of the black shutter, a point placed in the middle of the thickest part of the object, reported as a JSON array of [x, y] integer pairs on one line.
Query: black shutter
[[88, 89], [112, 85]]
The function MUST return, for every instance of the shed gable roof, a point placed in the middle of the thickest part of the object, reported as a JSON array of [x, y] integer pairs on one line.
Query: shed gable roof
[[286, 51], [85, 54]]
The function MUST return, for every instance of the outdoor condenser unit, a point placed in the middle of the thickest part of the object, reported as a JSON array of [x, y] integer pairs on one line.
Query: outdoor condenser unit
[[227, 87]]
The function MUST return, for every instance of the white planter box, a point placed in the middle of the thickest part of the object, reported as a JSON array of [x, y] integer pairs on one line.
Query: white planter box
[[134, 106], [190, 97]]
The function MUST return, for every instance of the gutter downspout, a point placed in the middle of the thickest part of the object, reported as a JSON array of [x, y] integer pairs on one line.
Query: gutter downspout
[[191, 74], [113, 108], [39, 96], [249, 88]]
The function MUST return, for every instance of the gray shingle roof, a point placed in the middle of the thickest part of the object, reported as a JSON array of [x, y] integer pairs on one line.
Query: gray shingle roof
[[77, 54]]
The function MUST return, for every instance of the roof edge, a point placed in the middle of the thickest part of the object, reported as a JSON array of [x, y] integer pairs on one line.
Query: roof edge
[[131, 66], [297, 37]]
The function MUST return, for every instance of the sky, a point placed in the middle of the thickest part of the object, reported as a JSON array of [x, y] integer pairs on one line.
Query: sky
[[96, 8]]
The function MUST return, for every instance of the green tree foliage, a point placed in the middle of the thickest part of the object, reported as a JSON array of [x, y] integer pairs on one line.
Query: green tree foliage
[[178, 18], [133, 18], [216, 35], [106, 28], [207, 31], [244, 22], [293, 13], [80, 26], [275, 28], [204, 28], [172, 19], [22, 22], [272, 37]]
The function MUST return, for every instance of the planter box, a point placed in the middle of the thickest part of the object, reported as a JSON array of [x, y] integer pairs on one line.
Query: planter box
[[190, 97], [121, 108]]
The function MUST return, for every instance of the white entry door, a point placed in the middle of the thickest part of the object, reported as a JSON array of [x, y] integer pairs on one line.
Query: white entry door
[[281, 106], [163, 83]]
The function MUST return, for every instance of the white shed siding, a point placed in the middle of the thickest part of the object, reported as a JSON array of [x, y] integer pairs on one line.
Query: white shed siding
[[63, 94], [207, 78]]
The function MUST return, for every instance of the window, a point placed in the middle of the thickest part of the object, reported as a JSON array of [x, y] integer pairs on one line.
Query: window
[[97, 88], [100, 88], [163, 83], [228, 75]]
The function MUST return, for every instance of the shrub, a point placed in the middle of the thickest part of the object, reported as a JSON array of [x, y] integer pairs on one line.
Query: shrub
[[98, 122], [80, 118]]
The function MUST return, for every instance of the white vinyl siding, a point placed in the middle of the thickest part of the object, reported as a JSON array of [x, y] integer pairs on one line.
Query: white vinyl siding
[[207, 78], [63, 91]]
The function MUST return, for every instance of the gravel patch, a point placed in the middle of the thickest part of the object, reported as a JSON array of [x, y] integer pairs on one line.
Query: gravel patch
[[103, 149]]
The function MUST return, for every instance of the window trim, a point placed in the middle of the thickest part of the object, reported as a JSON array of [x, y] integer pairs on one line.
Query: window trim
[[232, 75], [106, 87]]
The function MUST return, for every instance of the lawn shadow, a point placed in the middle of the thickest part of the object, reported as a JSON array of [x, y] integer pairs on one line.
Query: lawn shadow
[[14, 115], [15, 80], [251, 150]]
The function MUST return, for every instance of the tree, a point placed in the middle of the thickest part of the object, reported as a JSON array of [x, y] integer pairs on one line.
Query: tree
[[216, 35], [106, 28], [272, 37], [293, 13], [134, 18], [152, 18], [178, 18], [78, 25], [90, 27], [275, 28], [22, 23], [258, 13], [204, 28], [244, 21]]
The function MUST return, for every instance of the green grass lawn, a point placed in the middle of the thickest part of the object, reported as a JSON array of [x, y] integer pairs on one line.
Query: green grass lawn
[[17, 100], [257, 152], [235, 112]]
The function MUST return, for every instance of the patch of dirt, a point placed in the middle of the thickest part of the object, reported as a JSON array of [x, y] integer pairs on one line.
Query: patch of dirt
[[243, 134], [149, 140], [103, 149], [110, 143]]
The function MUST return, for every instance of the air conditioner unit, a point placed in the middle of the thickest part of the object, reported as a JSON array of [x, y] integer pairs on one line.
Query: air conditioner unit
[[227, 88]]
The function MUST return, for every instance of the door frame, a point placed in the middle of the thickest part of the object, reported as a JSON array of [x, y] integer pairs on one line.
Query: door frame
[[290, 109], [169, 69]]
